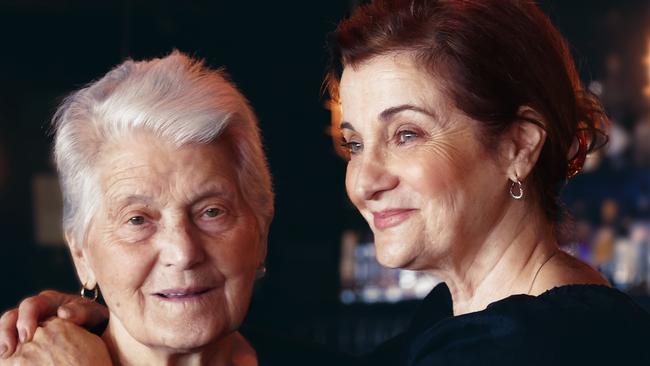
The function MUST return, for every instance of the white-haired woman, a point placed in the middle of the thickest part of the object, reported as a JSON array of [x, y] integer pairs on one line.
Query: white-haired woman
[[167, 206]]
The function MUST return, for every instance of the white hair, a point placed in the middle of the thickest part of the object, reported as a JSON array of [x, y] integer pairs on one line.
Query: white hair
[[175, 98]]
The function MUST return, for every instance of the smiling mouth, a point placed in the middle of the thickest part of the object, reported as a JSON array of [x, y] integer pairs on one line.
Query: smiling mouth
[[393, 217], [177, 294]]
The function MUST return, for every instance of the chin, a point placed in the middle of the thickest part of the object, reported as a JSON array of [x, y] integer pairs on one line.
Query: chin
[[393, 253], [189, 338]]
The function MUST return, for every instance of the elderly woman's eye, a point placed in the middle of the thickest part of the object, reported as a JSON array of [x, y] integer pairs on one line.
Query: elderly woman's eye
[[213, 212], [136, 220], [406, 136]]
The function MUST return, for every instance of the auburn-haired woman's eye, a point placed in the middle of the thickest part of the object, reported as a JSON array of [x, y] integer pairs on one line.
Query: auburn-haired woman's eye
[[406, 136], [352, 147], [213, 212]]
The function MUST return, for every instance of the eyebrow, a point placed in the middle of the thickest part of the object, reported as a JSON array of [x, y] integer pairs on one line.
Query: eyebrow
[[134, 198], [119, 203], [148, 200], [388, 113], [218, 192]]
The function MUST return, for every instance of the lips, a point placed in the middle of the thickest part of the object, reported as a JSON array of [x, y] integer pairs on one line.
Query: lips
[[392, 217], [183, 293]]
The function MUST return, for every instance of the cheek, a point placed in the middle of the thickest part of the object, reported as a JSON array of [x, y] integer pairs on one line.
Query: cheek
[[121, 271], [429, 177], [237, 257], [239, 253], [457, 193]]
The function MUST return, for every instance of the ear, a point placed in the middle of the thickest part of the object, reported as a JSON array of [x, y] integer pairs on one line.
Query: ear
[[81, 263], [523, 143]]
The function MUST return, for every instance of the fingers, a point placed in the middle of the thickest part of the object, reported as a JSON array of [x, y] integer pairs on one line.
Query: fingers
[[60, 342], [25, 353], [37, 308], [84, 313], [8, 333], [21, 324]]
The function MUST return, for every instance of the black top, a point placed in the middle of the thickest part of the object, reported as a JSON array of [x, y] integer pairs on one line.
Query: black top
[[568, 325]]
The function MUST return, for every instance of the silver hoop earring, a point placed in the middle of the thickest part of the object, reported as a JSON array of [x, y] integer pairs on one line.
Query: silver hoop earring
[[260, 271], [516, 189], [89, 294]]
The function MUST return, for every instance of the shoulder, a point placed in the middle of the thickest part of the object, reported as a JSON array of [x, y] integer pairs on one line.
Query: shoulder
[[575, 324], [563, 270]]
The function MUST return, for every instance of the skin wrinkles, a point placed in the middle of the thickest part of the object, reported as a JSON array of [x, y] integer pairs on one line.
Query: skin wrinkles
[[452, 202], [438, 140], [436, 198], [120, 177], [487, 264], [444, 172], [176, 245], [441, 141], [138, 203], [445, 145]]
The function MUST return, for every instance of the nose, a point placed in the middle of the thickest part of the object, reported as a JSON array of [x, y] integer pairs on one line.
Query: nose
[[370, 177], [181, 247]]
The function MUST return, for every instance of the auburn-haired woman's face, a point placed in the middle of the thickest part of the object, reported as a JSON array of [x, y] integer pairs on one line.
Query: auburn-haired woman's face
[[418, 172]]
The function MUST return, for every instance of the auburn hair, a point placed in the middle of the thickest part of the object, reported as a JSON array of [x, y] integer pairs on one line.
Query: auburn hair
[[491, 57]]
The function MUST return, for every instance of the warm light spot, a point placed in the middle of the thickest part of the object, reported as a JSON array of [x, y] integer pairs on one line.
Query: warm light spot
[[646, 62], [335, 110]]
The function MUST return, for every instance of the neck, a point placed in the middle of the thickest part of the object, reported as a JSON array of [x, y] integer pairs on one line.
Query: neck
[[503, 262], [126, 350]]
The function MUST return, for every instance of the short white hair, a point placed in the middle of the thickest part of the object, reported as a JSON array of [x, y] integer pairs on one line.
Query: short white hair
[[176, 98]]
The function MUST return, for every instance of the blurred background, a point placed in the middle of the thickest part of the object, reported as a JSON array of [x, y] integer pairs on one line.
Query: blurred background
[[323, 283]]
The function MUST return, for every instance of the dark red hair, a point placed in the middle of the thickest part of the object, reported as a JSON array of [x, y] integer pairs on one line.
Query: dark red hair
[[492, 57]]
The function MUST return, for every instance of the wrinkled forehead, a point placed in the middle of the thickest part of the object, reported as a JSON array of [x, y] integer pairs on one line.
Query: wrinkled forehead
[[143, 161], [387, 81]]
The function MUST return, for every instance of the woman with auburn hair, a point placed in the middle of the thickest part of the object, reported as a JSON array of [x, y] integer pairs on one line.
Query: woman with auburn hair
[[461, 120]]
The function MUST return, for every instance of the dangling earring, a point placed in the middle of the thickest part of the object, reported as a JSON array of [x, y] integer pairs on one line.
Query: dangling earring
[[516, 189], [260, 271], [89, 294]]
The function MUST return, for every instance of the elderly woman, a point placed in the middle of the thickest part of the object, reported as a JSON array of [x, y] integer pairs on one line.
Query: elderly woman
[[167, 206], [461, 120]]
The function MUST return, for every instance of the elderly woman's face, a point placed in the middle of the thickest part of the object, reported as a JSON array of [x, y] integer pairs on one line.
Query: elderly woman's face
[[418, 172], [174, 246]]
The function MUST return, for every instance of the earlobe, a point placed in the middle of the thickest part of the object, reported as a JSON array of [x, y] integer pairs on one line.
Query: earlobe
[[80, 259], [528, 137]]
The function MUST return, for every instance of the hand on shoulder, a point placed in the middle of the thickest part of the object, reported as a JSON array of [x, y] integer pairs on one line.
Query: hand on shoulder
[[60, 342], [19, 325]]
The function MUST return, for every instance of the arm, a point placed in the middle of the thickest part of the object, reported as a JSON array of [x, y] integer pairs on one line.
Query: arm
[[59, 342], [21, 324]]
